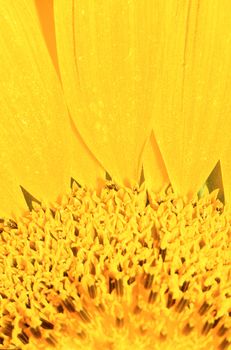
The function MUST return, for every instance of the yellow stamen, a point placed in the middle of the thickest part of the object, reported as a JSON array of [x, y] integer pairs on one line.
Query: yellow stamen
[[117, 270]]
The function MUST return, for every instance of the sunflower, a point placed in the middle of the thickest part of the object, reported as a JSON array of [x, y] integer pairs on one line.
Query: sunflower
[[115, 174]]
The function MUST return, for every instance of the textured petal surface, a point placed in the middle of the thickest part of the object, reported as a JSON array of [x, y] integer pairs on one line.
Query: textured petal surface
[[46, 16], [85, 168], [33, 115], [35, 129], [226, 173], [107, 52], [192, 112], [155, 172]]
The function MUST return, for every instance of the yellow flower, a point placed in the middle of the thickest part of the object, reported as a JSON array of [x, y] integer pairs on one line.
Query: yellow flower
[[139, 90]]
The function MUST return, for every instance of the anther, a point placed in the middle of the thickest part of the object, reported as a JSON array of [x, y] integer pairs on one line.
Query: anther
[[82, 335], [36, 332], [224, 345], [206, 288], [51, 340], [152, 297], [187, 329], [46, 324], [101, 308], [12, 224], [92, 269], [143, 331], [111, 284], [137, 310], [163, 253], [142, 262], [119, 322], [60, 308], [181, 305], [112, 186], [68, 303], [170, 301], [92, 291], [131, 280], [222, 330], [185, 286], [215, 323], [148, 281], [23, 337], [74, 251], [8, 329], [206, 328], [84, 315], [119, 287], [204, 308]]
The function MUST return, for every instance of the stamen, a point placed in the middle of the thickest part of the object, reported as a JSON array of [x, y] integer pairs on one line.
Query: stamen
[[115, 271], [36, 332], [148, 281], [222, 330], [46, 324], [224, 345], [204, 308], [23, 337]]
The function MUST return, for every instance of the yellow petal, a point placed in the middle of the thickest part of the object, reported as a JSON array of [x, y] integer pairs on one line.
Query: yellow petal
[[106, 51], [155, 173], [46, 16], [226, 176], [35, 129], [85, 168], [194, 97], [12, 202]]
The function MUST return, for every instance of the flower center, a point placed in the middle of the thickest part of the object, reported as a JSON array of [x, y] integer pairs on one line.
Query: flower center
[[117, 271]]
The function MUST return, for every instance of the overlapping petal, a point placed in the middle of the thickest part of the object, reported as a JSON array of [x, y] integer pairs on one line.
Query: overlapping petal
[[155, 173], [108, 53], [192, 110], [121, 63], [35, 130], [46, 16], [84, 166]]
